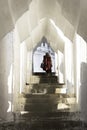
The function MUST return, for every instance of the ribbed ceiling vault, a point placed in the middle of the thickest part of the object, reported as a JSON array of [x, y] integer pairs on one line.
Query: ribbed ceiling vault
[[68, 15]]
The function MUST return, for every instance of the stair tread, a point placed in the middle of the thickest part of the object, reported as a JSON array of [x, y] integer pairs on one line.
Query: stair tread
[[45, 95], [53, 116], [46, 83]]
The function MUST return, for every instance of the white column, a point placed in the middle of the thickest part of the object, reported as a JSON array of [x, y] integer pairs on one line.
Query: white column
[[16, 69], [23, 66], [61, 66], [29, 66], [6, 71], [56, 64]]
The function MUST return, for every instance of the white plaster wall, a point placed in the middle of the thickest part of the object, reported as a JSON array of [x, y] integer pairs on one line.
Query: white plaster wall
[[6, 65], [83, 92]]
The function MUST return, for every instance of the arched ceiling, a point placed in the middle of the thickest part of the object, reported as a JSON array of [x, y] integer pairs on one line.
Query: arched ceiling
[[32, 18], [47, 29]]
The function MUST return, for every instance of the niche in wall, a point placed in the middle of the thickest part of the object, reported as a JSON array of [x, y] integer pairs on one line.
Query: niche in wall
[[40, 50]]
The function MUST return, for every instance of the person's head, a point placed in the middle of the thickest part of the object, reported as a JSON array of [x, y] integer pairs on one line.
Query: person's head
[[47, 54]]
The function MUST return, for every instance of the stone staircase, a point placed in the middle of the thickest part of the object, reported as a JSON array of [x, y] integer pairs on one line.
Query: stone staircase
[[45, 94], [45, 105]]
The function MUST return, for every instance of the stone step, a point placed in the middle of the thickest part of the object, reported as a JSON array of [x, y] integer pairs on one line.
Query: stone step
[[49, 102], [45, 87], [41, 95], [56, 125], [59, 116], [44, 125], [43, 79], [38, 102], [58, 120], [71, 100], [40, 107], [43, 107]]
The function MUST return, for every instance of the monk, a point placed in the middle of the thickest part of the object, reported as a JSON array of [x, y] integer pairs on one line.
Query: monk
[[47, 63]]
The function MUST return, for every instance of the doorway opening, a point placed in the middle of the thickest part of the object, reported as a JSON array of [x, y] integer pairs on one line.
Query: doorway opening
[[40, 50]]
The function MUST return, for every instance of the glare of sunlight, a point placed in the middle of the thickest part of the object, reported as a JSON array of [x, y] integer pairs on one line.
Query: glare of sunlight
[[10, 81], [62, 106], [9, 108], [21, 65], [24, 112], [78, 66], [68, 60], [58, 30], [60, 90], [80, 57], [61, 66]]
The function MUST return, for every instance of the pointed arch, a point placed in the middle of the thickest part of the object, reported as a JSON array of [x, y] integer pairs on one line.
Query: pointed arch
[[39, 51]]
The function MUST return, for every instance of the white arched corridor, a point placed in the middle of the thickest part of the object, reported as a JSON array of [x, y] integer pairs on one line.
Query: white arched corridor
[[23, 25]]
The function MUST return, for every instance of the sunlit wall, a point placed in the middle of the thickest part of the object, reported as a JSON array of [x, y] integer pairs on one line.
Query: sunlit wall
[[81, 55]]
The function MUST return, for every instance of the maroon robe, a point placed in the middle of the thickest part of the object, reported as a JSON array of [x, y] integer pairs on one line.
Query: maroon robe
[[47, 63]]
